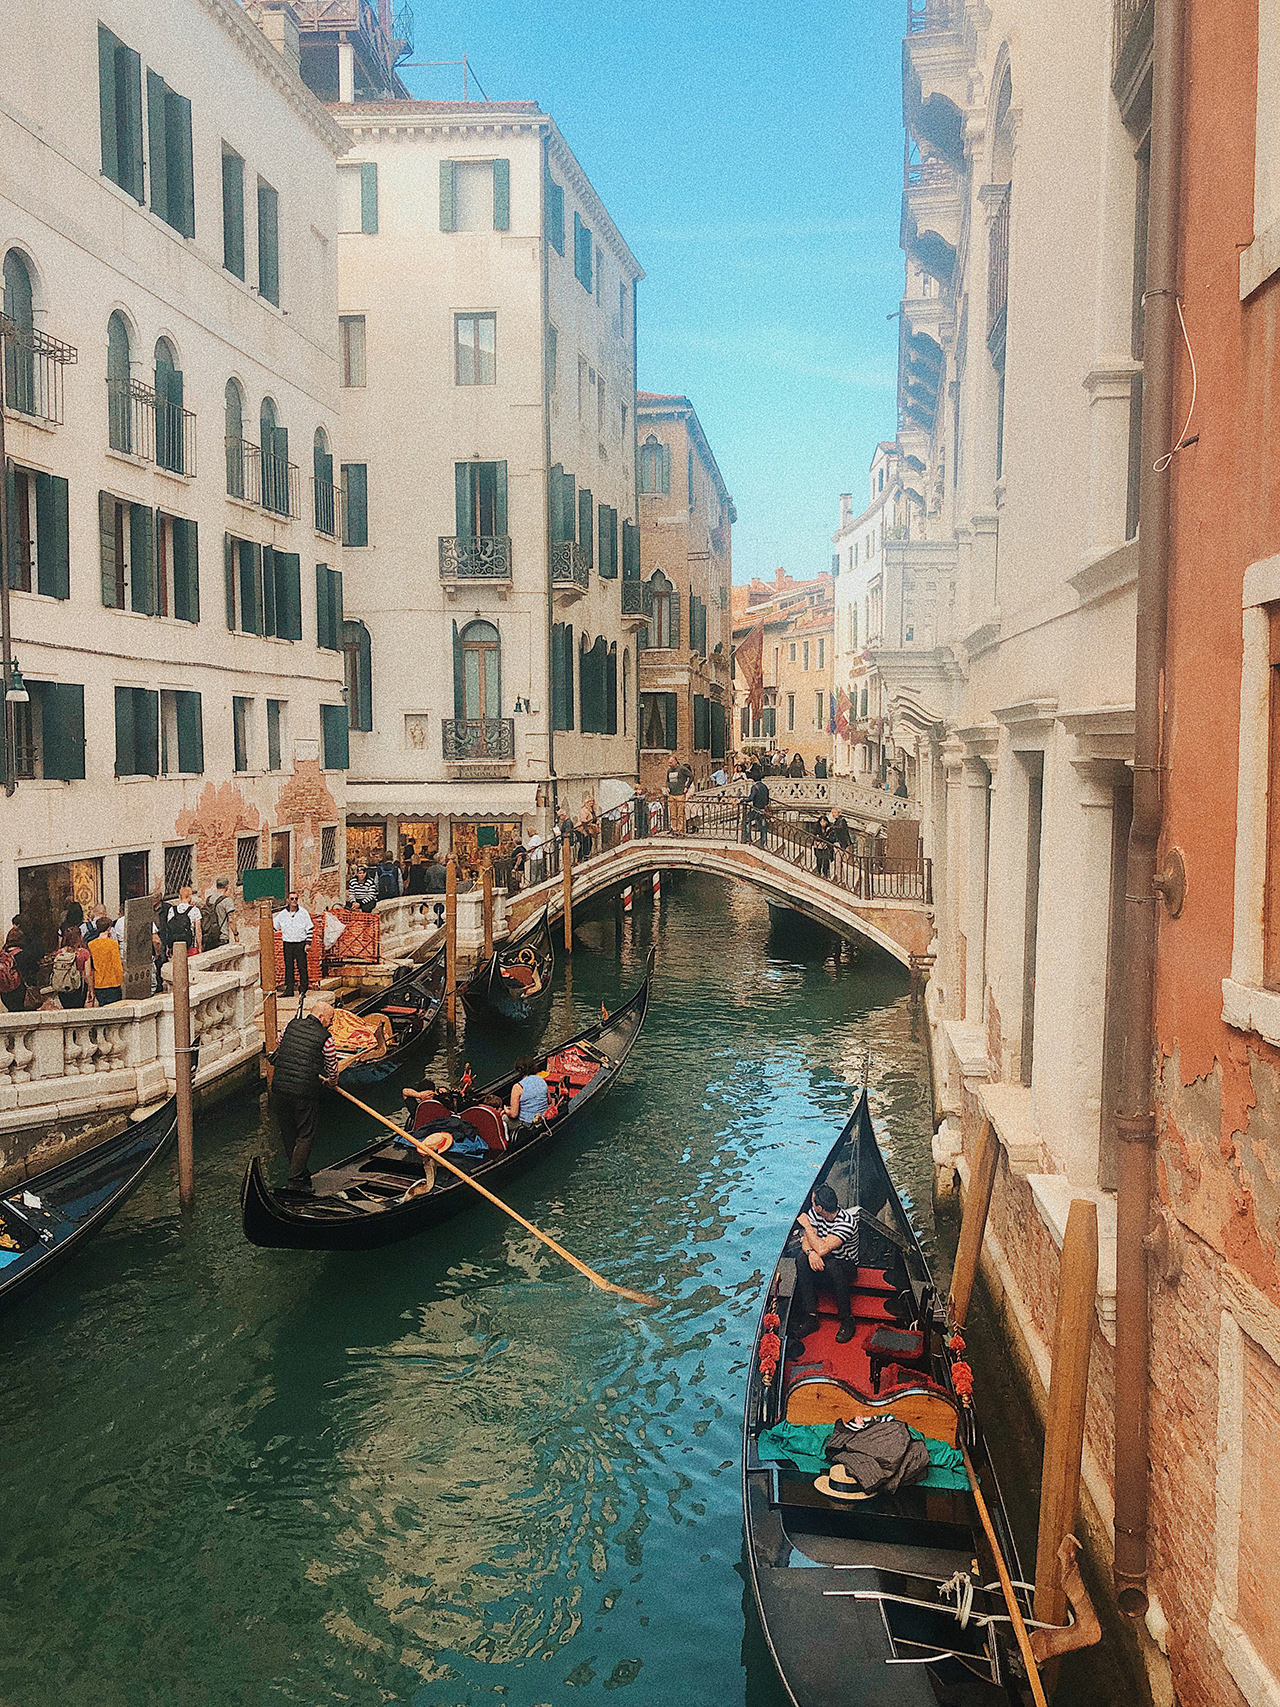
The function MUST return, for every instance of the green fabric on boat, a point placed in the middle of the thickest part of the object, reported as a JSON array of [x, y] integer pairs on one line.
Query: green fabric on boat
[[804, 1445]]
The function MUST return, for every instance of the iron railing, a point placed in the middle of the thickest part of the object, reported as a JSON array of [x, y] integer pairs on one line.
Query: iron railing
[[998, 269], [326, 503], [267, 481], [484, 559], [33, 365], [479, 739], [144, 425], [862, 869], [637, 599], [569, 566]]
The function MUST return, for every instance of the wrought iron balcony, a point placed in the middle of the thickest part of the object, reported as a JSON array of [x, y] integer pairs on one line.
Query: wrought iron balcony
[[144, 425], [33, 364], [570, 571], [637, 604], [268, 481], [479, 740], [998, 273], [327, 506], [483, 559]]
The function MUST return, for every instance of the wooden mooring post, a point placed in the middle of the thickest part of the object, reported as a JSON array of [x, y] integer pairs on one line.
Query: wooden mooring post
[[267, 977], [451, 940], [566, 867], [486, 886], [982, 1179], [182, 1075]]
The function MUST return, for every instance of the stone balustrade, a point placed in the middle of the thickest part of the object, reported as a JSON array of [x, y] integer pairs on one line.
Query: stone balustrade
[[851, 796], [408, 921]]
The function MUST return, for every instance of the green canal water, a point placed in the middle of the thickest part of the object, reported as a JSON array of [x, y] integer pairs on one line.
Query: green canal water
[[451, 1473]]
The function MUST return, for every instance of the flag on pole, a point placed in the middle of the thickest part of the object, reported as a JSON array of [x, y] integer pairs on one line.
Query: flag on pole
[[842, 714], [831, 719], [749, 659]]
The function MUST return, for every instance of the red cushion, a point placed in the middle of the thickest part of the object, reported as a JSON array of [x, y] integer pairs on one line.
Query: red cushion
[[395, 1010], [488, 1123], [427, 1112]]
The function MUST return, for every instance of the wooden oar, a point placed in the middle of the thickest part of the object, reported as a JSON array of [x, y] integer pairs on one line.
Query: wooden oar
[[1006, 1583], [444, 1162]]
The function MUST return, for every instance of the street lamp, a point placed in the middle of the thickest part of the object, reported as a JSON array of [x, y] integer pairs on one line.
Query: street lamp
[[16, 690]]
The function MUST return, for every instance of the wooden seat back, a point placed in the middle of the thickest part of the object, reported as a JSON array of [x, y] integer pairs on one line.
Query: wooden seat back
[[429, 1112], [488, 1123], [821, 1400]]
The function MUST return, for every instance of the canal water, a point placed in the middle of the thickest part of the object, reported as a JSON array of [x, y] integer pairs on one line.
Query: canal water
[[452, 1473]]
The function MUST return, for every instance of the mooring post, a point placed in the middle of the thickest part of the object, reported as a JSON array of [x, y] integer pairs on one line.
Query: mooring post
[[267, 977], [982, 1179], [486, 885], [451, 940], [566, 867], [182, 1075], [1068, 1395]]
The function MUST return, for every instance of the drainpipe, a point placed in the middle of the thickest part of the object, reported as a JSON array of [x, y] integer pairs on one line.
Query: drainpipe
[[549, 677], [1135, 1116]]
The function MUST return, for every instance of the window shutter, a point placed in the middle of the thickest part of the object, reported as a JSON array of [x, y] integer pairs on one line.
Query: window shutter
[[611, 691], [355, 490], [587, 530], [322, 607], [229, 575], [630, 552], [142, 559], [333, 728], [156, 145], [63, 706], [288, 595], [569, 506], [609, 567], [369, 197], [53, 570], [125, 764], [11, 522], [335, 599], [190, 734], [365, 684], [555, 215], [459, 677], [675, 620], [268, 590], [500, 499], [568, 675], [462, 501], [129, 123], [448, 198], [553, 499], [268, 244], [107, 103], [502, 195], [717, 729], [182, 207], [233, 214], [107, 550], [250, 586], [186, 571]]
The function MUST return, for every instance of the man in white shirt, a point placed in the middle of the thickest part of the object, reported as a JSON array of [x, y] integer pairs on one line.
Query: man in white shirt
[[295, 925]]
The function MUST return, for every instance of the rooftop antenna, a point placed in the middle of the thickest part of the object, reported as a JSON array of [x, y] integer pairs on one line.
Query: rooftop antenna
[[468, 76]]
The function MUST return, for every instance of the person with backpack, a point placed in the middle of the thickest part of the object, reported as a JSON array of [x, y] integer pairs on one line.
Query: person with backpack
[[72, 980], [388, 877], [757, 809], [215, 915], [13, 986], [180, 922]]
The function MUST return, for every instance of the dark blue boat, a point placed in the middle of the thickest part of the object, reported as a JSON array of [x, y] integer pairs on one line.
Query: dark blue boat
[[516, 981], [412, 1005]]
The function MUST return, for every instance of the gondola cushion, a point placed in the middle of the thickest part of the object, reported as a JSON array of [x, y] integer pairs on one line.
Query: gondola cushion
[[427, 1112], [488, 1123]]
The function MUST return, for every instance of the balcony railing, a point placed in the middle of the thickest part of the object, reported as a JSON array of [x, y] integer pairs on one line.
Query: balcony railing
[[144, 425], [998, 270], [483, 559], [268, 481], [637, 599], [326, 503], [928, 175], [570, 571], [469, 740], [33, 365]]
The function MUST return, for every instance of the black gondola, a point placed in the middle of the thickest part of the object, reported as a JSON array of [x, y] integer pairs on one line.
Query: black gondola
[[861, 1598], [360, 1203], [51, 1215], [516, 979], [411, 1005]]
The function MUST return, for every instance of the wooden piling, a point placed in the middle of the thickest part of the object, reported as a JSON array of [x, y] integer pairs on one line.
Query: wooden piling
[[1068, 1393], [451, 940], [486, 885], [267, 977], [182, 1075], [566, 866], [982, 1179]]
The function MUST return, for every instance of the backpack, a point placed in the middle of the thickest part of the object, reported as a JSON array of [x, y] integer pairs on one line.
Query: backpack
[[759, 795], [67, 977], [10, 977], [176, 926], [387, 886], [214, 920]]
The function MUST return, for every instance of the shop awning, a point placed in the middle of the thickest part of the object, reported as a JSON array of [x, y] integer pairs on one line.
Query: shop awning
[[417, 800]]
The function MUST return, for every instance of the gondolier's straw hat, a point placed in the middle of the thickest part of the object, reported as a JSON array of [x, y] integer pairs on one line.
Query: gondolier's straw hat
[[838, 1484]]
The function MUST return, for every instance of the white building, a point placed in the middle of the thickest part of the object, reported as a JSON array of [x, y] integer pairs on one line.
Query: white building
[[858, 566], [488, 339], [168, 230]]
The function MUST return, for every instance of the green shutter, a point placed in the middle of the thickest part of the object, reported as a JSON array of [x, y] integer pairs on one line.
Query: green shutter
[[288, 595], [717, 729], [129, 132], [611, 691], [555, 214], [356, 636], [568, 675], [53, 568], [500, 500], [146, 731], [229, 574], [142, 559], [156, 145], [125, 763], [335, 604], [323, 608], [355, 486], [502, 195], [268, 244], [459, 677], [107, 551], [63, 731], [630, 552], [369, 197], [182, 206], [11, 522], [448, 198], [675, 621], [190, 734], [250, 556], [333, 728], [462, 500], [186, 571], [233, 213], [268, 590], [587, 528], [107, 103]]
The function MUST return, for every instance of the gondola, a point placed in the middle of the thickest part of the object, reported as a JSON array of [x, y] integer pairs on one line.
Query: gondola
[[51, 1215], [360, 1203], [863, 1600], [411, 1005], [513, 983]]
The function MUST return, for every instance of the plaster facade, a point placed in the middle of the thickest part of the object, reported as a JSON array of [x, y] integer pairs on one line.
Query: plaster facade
[[798, 666]]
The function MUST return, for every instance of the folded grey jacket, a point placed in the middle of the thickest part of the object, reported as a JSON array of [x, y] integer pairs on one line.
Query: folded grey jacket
[[881, 1456]]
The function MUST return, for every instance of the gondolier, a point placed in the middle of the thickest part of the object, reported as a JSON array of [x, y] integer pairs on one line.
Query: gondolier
[[295, 925], [303, 1061]]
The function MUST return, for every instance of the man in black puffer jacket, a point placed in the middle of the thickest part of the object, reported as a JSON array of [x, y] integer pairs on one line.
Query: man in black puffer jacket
[[303, 1060]]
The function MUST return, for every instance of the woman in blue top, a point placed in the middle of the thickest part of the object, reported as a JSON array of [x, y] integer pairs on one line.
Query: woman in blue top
[[528, 1094]]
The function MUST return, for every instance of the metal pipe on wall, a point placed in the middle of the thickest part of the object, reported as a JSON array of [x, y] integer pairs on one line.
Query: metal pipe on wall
[[1135, 1116]]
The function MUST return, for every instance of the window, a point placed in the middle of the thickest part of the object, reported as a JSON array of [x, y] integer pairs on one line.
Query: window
[[564, 511], [819, 709], [333, 737], [355, 503], [654, 472], [328, 847], [630, 551], [20, 389], [282, 850], [791, 652], [137, 732], [853, 626], [233, 418], [246, 857], [480, 500], [324, 495], [179, 867], [273, 441], [351, 347], [600, 405], [120, 113], [328, 608], [863, 711], [177, 568], [581, 253], [181, 734], [263, 589], [474, 341], [48, 732], [658, 721], [555, 215], [664, 625], [241, 730], [276, 711], [232, 211], [804, 654], [744, 722], [268, 243], [169, 147], [119, 389], [822, 653], [697, 625], [358, 198], [127, 555], [701, 723], [38, 553], [562, 675], [475, 195], [791, 712], [170, 415], [717, 730], [608, 524], [593, 666], [553, 343], [357, 674], [477, 687]]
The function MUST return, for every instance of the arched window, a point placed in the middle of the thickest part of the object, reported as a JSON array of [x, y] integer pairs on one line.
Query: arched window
[[626, 691], [169, 413], [322, 481], [654, 472], [274, 442], [19, 343], [664, 627], [477, 679], [233, 417], [119, 379], [358, 678], [593, 687]]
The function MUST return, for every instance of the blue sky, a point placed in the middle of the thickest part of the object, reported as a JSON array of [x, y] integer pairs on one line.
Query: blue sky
[[751, 154]]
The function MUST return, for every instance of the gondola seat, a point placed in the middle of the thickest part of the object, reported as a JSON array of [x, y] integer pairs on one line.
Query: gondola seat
[[429, 1111], [488, 1123], [889, 1345], [822, 1400], [398, 1012], [525, 976]]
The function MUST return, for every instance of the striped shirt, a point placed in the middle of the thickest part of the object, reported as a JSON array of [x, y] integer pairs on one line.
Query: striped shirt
[[360, 894], [842, 1225]]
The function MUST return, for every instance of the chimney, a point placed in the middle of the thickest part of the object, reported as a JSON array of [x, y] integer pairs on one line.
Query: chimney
[[846, 509], [279, 23]]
